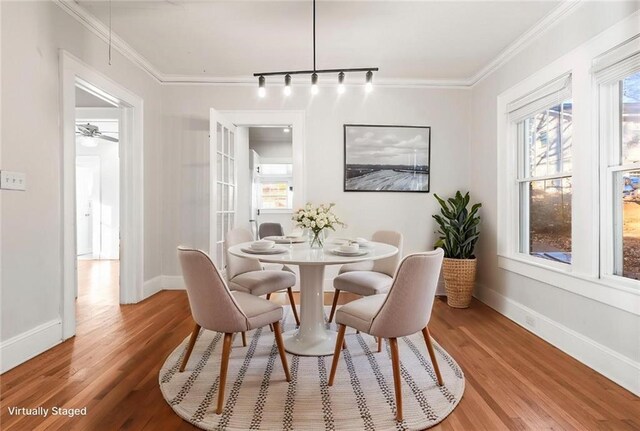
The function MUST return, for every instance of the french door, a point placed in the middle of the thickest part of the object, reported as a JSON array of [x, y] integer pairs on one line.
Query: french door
[[223, 183]]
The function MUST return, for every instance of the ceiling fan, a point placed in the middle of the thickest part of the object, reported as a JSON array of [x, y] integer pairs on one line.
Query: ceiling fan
[[91, 131]]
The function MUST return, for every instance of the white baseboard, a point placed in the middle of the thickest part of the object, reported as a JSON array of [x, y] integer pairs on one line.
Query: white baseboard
[[162, 282], [25, 346], [172, 282], [611, 364], [152, 286]]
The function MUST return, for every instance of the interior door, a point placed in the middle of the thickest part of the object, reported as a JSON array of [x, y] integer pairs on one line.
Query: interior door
[[84, 213], [223, 174]]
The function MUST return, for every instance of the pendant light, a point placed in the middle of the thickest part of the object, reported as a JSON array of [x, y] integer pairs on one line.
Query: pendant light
[[314, 72]]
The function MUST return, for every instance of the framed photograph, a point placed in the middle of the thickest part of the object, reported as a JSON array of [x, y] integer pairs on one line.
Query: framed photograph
[[386, 158]]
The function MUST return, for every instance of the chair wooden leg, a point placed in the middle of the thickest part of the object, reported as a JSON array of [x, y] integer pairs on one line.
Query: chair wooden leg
[[280, 343], [432, 353], [379, 344], [397, 382], [293, 306], [224, 365], [268, 298], [244, 339], [336, 353], [336, 295], [192, 342]]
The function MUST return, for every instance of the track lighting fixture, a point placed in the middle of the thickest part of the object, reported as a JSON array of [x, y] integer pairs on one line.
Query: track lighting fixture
[[287, 85], [314, 72], [368, 86], [341, 88]]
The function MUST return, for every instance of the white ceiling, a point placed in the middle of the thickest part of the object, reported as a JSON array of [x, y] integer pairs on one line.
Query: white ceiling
[[408, 40], [269, 134]]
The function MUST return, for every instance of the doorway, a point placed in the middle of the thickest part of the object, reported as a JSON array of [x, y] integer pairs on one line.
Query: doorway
[[271, 176], [121, 229], [232, 179], [97, 201]]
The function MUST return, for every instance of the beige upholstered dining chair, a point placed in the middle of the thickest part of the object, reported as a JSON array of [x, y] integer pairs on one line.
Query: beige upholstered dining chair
[[370, 277], [405, 310], [216, 308], [270, 229], [247, 275]]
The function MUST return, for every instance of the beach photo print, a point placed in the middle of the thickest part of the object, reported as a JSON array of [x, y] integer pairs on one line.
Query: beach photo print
[[386, 158]]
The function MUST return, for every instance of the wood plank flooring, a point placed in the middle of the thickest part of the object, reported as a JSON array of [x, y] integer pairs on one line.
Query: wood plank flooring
[[515, 381]]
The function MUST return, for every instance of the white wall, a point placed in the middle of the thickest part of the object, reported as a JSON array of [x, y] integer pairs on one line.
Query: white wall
[[186, 123], [31, 243], [570, 321], [271, 150]]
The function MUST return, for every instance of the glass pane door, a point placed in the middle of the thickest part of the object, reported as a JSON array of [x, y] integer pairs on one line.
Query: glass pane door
[[223, 178]]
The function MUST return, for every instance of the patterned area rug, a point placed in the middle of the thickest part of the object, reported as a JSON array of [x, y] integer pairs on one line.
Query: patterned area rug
[[258, 398]]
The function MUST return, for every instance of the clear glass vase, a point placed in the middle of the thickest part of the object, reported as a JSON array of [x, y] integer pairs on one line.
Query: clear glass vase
[[317, 239]]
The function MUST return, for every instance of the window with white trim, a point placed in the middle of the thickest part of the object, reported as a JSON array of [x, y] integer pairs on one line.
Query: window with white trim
[[602, 168], [618, 76], [275, 187], [543, 122]]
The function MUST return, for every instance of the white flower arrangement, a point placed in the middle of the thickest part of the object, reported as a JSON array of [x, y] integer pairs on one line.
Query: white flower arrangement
[[317, 219]]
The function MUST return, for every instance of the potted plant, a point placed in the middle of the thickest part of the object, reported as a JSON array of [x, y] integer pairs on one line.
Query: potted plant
[[458, 236]]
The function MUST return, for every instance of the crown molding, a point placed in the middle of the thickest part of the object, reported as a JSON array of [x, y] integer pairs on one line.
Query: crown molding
[[96, 26], [102, 31], [513, 49]]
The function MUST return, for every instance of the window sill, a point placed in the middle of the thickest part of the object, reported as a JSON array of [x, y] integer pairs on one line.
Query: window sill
[[540, 262], [619, 293], [275, 211]]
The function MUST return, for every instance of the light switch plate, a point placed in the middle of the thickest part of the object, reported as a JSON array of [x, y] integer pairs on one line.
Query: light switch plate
[[13, 180]]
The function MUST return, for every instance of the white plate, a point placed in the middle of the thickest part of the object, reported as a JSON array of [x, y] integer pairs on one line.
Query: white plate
[[342, 241], [272, 250], [285, 239], [337, 252]]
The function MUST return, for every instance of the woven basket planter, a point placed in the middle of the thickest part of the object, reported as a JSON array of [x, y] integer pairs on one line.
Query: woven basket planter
[[459, 280]]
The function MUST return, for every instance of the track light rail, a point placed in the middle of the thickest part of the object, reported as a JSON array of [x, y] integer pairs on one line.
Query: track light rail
[[262, 91], [307, 72]]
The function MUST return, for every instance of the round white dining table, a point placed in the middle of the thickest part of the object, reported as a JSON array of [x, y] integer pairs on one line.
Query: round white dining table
[[312, 337]]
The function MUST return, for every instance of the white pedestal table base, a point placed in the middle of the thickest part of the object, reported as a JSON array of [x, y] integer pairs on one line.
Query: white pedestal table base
[[311, 338]]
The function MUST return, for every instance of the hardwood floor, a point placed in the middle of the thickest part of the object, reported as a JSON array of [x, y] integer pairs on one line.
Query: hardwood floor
[[515, 381]]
